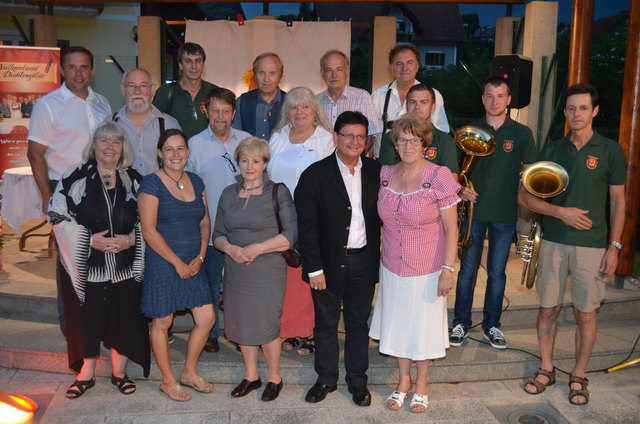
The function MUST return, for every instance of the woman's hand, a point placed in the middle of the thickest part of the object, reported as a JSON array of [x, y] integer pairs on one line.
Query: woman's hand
[[183, 270], [237, 254], [195, 265], [445, 282], [102, 243], [252, 251]]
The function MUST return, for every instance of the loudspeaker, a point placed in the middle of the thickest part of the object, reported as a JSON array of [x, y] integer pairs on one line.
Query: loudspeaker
[[518, 70]]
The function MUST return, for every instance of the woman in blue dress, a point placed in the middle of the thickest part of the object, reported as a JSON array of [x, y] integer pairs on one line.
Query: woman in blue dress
[[176, 227]]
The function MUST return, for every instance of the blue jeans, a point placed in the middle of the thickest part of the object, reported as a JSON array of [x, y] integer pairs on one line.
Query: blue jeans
[[500, 238], [213, 263]]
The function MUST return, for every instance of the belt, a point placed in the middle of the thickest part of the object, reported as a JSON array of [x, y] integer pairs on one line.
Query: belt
[[352, 252]]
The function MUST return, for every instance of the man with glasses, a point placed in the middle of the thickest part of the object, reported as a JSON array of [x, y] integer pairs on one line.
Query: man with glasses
[[141, 120], [339, 235], [212, 158], [185, 99]]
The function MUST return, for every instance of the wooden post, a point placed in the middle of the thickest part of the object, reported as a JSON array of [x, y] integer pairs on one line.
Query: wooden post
[[629, 138], [149, 48], [384, 39], [580, 44], [45, 30]]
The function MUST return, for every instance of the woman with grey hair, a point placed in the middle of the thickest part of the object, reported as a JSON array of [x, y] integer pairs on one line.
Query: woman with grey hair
[[94, 215], [301, 138]]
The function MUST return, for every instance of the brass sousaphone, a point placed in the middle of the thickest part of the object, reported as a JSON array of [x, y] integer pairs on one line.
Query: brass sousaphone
[[542, 179], [473, 141]]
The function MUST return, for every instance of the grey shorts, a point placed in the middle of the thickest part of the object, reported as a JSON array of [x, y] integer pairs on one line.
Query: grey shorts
[[559, 261]]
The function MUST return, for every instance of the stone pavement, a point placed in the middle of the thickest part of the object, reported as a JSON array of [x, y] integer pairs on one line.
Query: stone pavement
[[615, 398]]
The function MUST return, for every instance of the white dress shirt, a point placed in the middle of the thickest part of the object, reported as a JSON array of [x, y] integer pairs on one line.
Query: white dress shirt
[[395, 109], [65, 124]]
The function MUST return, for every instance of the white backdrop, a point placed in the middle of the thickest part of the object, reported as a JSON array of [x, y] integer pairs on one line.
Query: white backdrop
[[231, 49]]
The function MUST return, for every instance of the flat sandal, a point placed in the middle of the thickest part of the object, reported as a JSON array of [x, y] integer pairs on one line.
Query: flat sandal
[[582, 391], [539, 385]]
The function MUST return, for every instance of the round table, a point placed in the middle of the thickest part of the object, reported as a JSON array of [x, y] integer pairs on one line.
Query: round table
[[21, 202]]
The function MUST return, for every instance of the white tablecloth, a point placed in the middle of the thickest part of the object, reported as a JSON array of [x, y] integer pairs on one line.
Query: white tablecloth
[[20, 197]]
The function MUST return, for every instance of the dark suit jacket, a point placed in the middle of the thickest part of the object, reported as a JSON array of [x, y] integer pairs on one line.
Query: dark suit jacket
[[324, 216]]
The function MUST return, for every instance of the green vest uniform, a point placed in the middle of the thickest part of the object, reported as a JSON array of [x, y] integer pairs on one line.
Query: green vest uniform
[[441, 152], [189, 113], [496, 177], [599, 164]]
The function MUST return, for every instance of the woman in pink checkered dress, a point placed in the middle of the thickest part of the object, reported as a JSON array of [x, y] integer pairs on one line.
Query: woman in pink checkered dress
[[416, 203]]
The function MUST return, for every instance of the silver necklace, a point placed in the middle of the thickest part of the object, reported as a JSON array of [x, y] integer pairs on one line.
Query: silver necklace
[[252, 188], [178, 183]]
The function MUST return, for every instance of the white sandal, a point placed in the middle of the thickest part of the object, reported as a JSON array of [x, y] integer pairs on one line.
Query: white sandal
[[419, 400], [398, 398]]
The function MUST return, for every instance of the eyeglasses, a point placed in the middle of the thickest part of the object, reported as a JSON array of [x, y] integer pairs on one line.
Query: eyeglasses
[[142, 87], [352, 137], [232, 167], [405, 141]]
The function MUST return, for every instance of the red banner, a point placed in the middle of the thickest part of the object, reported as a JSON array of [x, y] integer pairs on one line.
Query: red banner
[[26, 74]]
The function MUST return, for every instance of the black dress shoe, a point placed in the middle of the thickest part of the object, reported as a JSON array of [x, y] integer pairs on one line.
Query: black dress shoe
[[212, 345], [245, 387], [271, 391], [318, 392], [361, 395]]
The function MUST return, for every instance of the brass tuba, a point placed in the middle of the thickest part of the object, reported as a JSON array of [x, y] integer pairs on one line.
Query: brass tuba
[[473, 141], [542, 179]]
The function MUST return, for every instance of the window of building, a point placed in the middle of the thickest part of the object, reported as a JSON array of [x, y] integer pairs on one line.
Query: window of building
[[434, 59]]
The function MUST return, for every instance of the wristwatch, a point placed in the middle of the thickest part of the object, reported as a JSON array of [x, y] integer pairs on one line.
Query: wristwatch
[[616, 244]]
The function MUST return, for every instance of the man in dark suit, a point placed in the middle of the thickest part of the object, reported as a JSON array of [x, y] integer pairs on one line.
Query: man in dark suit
[[339, 232]]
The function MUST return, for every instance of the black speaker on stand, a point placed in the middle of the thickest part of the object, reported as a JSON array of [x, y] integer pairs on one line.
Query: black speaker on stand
[[518, 71]]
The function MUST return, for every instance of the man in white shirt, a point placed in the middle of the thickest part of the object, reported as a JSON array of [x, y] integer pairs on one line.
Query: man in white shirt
[[141, 120], [212, 158], [61, 125], [340, 97], [389, 99]]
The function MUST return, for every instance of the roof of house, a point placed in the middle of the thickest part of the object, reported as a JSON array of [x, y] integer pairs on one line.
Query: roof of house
[[433, 23]]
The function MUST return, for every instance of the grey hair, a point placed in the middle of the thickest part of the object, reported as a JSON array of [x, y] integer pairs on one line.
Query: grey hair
[[110, 129], [301, 95], [329, 53], [126, 74]]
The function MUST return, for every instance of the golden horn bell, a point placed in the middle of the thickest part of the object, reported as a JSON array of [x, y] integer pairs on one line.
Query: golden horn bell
[[473, 141], [543, 179]]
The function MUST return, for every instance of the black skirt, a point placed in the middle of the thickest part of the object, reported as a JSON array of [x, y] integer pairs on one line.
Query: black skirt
[[111, 315]]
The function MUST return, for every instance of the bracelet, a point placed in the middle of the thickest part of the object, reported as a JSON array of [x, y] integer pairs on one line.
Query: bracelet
[[201, 258], [128, 241], [616, 244], [449, 268]]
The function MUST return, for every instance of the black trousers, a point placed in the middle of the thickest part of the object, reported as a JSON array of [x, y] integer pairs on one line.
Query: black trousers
[[355, 293], [60, 271]]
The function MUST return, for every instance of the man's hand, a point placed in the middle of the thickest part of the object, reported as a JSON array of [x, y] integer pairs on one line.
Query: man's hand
[[318, 282], [609, 261], [468, 195], [576, 218]]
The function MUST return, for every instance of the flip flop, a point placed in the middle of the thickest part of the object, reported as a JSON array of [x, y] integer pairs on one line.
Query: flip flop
[[175, 392], [199, 385]]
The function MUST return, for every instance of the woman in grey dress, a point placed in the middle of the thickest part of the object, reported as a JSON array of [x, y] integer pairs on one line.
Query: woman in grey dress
[[255, 271]]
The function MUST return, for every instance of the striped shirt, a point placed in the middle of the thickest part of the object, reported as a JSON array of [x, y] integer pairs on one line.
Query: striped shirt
[[354, 99]]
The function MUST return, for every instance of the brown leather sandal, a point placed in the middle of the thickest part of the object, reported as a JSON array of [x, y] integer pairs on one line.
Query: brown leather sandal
[[539, 385], [582, 391]]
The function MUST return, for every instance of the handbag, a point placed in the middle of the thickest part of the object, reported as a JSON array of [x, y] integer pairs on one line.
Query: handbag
[[292, 256]]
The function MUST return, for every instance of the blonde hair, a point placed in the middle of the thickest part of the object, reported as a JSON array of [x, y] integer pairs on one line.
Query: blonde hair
[[253, 146], [413, 124], [110, 129], [302, 95]]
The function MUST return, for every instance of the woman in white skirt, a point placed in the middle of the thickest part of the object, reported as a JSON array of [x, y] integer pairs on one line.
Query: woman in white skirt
[[419, 240]]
